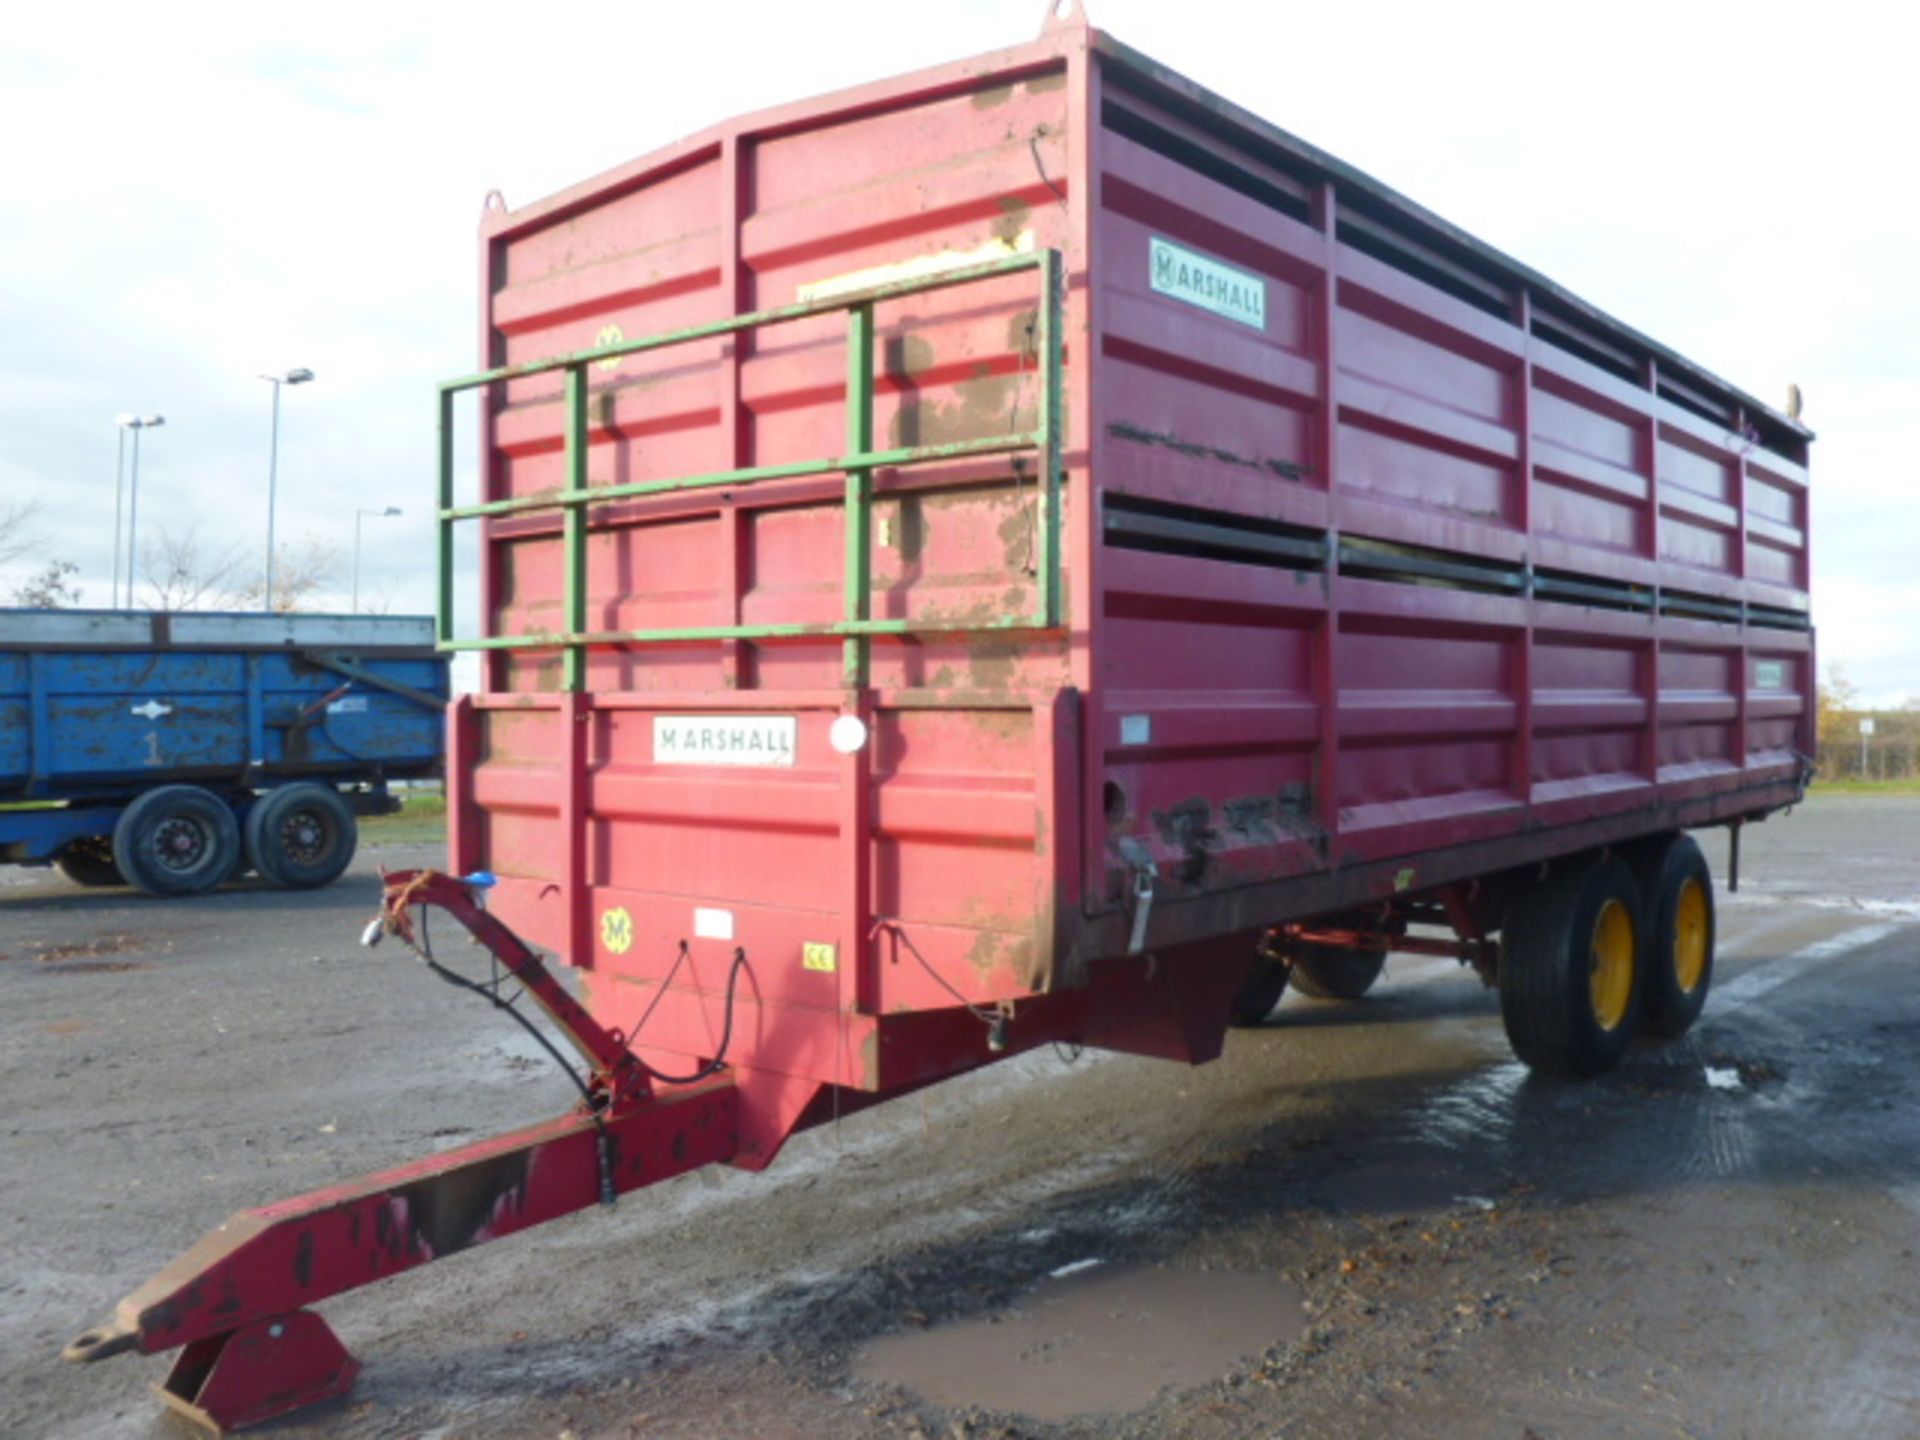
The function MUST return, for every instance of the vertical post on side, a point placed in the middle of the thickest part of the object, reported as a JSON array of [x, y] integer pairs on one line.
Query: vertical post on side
[[39, 723], [443, 525], [1046, 603], [859, 486], [573, 533], [463, 816], [255, 753], [853, 982]]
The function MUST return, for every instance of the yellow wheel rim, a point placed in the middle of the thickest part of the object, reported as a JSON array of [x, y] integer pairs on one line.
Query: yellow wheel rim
[[1610, 975], [1690, 936]]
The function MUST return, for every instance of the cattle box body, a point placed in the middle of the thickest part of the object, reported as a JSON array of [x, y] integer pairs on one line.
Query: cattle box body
[[1376, 561]]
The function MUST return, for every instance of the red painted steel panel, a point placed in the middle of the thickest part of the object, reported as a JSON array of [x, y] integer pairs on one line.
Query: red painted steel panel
[[1407, 569]]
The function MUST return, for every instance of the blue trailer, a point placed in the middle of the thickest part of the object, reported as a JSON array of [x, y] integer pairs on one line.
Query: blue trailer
[[174, 752]]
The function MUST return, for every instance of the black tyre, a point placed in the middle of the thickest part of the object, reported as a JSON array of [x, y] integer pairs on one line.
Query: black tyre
[[1571, 967], [1677, 890], [89, 862], [1253, 1002], [300, 837], [177, 840], [1332, 972]]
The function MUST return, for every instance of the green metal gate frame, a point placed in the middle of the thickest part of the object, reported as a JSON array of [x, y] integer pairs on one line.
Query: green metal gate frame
[[858, 463]]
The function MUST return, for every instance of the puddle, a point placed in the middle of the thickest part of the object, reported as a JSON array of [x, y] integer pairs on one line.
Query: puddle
[[1399, 1185], [1473, 1111], [1100, 1340]]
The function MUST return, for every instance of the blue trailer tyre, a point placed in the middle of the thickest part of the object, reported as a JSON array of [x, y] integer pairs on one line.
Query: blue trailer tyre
[[300, 837], [176, 840], [89, 862], [1677, 888], [1571, 967]]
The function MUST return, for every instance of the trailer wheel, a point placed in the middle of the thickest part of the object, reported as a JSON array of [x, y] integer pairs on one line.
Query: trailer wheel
[[1253, 1002], [1678, 890], [300, 837], [1333, 972], [89, 862], [176, 840], [1570, 970]]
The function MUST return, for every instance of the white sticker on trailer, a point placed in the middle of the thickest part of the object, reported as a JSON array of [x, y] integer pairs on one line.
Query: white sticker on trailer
[[1184, 275], [724, 739], [348, 705]]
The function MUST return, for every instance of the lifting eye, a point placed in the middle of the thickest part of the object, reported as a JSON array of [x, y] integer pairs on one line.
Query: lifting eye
[[1115, 801]]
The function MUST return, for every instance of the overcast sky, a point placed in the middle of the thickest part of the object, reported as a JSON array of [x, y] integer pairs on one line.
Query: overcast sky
[[194, 194]]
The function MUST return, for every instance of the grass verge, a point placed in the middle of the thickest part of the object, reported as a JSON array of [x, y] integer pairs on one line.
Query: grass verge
[[421, 820]]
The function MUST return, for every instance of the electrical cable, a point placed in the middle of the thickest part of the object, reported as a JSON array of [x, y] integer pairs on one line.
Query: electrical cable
[[602, 1142], [714, 1065], [988, 1018], [491, 994]]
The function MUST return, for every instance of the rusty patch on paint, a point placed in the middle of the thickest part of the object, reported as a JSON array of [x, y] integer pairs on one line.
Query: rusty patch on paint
[[1015, 214], [1002, 725], [982, 407], [996, 949], [991, 662], [1287, 469], [1047, 84], [1017, 537], [991, 98], [911, 528], [1188, 827], [451, 1212], [904, 357], [1252, 816], [1023, 331]]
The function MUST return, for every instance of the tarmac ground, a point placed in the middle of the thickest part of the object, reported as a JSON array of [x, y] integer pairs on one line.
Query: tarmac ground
[[1365, 1219]]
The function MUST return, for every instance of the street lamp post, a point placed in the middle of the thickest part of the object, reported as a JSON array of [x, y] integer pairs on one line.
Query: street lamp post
[[297, 376], [135, 423], [119, 494], [357, 516]]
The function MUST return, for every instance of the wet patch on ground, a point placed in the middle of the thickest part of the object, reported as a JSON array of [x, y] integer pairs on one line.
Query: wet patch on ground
[[1100, 1341]]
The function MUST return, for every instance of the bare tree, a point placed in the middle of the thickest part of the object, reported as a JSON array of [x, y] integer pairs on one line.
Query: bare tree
[[301, 572], [17, 536], [378, 599], [181, 574], [51, 589]]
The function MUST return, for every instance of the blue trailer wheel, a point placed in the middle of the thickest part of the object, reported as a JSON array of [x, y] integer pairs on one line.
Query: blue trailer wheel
[[300, 837], [90, 862], [176, 840]]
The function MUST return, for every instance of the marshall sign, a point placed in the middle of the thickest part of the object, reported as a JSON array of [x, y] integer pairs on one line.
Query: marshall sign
[[723, 739], [1208, 284]]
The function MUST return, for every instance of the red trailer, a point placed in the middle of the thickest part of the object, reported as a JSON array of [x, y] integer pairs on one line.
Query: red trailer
[[1029, 551]]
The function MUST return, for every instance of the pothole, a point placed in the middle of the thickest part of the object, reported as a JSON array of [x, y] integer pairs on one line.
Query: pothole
[[1093, 1340]]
